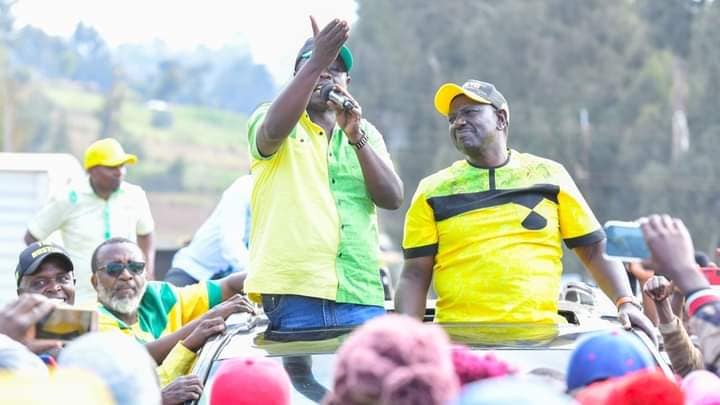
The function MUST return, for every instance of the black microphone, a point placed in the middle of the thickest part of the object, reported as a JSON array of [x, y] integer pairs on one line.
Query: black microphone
[[328, 92]]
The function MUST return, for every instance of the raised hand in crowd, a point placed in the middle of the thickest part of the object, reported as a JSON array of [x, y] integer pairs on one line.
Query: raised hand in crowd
[[18, 319], [660, 289], [185, 388], [206, 329], [673, 254]]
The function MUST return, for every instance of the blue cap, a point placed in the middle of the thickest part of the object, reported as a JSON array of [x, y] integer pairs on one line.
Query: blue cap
[[605, 355]]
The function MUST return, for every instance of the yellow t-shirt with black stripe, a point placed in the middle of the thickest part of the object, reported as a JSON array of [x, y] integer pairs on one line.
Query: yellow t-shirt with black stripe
[[495, 234], [164, 309]]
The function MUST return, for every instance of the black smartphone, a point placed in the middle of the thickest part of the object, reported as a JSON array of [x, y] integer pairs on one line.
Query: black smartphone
[[625, 242], [66, 323]]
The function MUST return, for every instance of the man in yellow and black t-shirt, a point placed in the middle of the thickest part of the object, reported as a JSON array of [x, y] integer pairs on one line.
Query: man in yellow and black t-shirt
[[489, 228]]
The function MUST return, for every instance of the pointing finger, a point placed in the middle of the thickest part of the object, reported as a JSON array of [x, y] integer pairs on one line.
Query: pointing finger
[[315, 28]]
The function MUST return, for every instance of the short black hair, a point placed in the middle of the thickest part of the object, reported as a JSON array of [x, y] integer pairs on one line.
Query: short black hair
[[702, 259], [111, 241]]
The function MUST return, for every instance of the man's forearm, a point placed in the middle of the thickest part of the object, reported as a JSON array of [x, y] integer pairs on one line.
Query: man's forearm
[[232, 284], [383, 184], [160, 348], [286, 109], [609, 275], [412, 289], [147, 245]]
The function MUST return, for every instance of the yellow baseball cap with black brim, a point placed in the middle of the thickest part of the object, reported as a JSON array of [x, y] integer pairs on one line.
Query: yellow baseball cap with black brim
[[107, 152], [482, 92], [307, 49]]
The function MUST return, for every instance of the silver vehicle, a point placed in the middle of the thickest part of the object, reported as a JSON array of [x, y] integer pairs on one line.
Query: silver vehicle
[[309, 356]]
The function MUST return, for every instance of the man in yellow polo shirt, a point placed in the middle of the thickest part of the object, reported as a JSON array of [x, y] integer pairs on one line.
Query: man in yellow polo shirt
[[319, 171], [95, 209], [489, 228]]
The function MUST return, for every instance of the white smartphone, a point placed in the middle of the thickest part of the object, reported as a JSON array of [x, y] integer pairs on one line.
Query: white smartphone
[[625, 242]]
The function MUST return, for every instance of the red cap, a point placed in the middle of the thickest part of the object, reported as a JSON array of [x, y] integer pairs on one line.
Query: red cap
[[642, 387], [251, 380]]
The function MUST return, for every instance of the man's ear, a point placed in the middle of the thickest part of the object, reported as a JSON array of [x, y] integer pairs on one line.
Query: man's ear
[[347, 82], [502, 120], [93, 281]]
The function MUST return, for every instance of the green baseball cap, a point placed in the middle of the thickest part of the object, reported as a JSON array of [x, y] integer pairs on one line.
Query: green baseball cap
[[306, 50]]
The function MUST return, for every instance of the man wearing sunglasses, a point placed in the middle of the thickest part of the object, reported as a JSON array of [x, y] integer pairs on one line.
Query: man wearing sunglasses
[[46, 269], [173, 323]]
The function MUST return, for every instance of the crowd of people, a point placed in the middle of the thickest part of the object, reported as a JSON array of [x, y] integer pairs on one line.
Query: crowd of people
[[298, 238]]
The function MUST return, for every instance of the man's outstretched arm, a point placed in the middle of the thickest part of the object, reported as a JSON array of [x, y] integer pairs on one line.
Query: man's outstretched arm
[[287, 108], [412, 289], [611, 277]]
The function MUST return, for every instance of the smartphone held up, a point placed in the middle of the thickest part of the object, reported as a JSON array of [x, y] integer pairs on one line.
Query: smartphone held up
[[625, 242], [66, 323]]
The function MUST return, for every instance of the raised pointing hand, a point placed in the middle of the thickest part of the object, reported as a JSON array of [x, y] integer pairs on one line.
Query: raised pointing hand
[[329, 40]]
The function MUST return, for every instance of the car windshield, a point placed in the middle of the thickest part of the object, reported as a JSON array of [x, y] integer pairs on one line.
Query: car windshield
[[309, 357]]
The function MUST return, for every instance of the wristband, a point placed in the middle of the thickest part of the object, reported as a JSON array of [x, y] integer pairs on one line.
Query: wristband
[[628, 300], [700, 298], [361, 142]]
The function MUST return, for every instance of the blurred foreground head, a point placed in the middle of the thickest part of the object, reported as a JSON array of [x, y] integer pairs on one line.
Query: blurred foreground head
[[394, 359], [16, 358], [75, 387], [471, 367], [511, 390], [642, 387], [605, 355], [701, 387], [120, 361], [252, 380]]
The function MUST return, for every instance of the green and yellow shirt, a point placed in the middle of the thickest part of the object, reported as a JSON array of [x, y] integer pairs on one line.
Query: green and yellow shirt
[[314, 226], [164, 309], [496, 237]]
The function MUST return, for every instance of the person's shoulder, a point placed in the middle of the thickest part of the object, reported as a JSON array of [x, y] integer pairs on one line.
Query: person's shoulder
[[259, 112], [242, 183], [529, 159], [442, 176], [73, 193], [131, 189]]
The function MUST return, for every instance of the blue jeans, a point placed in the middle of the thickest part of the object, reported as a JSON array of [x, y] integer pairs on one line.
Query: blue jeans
[[296, 312]]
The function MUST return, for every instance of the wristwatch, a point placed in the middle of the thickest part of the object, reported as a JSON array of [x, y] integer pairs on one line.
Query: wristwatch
[[361, 142]]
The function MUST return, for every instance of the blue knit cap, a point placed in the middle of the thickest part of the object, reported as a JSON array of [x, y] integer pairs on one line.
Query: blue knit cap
[[605, 355]]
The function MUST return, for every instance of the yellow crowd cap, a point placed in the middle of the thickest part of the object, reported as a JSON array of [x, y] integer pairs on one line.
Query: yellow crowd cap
[[482, 92], [107, 152]]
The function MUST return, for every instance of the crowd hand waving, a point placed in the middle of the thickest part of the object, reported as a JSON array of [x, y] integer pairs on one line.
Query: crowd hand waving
[[18, 319], [233, 305], [658, 288], [185, 388], [328, 41], [672, 251]]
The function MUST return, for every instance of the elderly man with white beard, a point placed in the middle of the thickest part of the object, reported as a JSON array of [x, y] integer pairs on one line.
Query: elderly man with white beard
[[173, 323]]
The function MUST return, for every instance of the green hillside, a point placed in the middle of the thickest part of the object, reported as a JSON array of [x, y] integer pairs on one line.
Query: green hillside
[[203, 149]]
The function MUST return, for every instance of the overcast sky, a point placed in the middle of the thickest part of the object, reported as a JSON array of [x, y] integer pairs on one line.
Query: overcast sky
[[272, 29]]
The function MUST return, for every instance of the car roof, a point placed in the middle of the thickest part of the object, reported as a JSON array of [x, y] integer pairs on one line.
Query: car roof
[[250, 335]]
